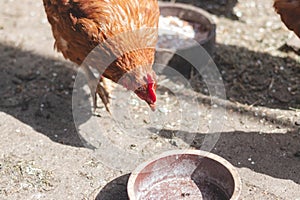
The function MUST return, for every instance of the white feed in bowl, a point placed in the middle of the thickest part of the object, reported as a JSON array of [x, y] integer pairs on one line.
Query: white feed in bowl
[[175, 33]]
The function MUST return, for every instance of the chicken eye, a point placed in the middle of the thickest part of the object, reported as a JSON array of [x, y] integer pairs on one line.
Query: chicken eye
[[140, 89]]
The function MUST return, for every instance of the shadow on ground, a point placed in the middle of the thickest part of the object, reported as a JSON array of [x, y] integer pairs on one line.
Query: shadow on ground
[[255, 78], [216, 7], [276, 154], [116, 189], [38, 91]]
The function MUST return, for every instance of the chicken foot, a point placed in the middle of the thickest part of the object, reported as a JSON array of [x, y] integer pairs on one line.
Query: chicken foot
[[96, 88]]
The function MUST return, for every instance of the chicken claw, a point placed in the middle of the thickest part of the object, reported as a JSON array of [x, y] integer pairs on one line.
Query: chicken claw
[[96, 87], [103, 94]]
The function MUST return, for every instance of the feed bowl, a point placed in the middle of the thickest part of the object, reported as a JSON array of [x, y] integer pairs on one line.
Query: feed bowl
[[185, 174], [204, 35]]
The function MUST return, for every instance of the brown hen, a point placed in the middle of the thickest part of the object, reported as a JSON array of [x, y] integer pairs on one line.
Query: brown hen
[[115, 37]]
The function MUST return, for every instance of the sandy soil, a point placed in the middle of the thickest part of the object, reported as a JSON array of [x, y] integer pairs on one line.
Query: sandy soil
[[43, 157]]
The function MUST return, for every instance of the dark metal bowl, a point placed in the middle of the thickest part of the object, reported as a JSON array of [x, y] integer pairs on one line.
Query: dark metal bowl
[[185, 174], [191, 14]]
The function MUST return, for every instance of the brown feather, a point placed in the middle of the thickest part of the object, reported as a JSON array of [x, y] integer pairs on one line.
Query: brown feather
[[121, 33]]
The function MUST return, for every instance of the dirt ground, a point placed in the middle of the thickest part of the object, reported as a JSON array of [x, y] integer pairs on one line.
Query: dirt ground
[[43, 157]]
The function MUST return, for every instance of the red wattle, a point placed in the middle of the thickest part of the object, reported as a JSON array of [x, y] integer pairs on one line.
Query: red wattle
[[151, 91], [151, 88]]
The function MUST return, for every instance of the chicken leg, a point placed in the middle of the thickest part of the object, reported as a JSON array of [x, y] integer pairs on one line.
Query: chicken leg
[[96, 88]]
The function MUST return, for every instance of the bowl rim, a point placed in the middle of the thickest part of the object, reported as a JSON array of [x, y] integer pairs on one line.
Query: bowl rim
[[207, 15], [232, 170]]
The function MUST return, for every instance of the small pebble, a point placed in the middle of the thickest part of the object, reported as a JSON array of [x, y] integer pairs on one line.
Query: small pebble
[[185, 194], [281, 68], [146, 121], [158, 145], [163, 110], [269, 24], [154, 137], [239, 13], [44, 21], [297, 154], [172, 142]]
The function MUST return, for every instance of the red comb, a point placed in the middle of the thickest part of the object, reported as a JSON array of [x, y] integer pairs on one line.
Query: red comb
[[151, 88]]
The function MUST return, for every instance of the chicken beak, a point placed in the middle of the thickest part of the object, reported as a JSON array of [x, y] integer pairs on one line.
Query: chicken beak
[[152, 106]]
